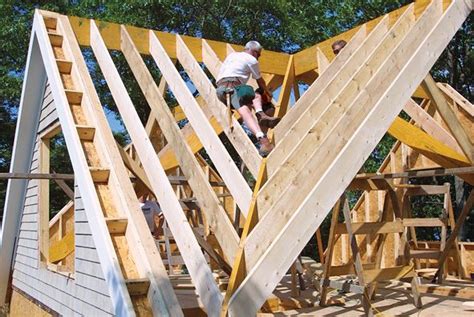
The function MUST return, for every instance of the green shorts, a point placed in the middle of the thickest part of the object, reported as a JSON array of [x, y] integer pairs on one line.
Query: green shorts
[[243, 95]]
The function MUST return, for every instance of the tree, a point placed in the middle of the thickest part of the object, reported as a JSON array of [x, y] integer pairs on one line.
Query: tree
[[282, 25]]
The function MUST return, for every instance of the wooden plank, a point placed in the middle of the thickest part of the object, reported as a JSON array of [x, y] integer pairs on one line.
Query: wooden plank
[[162, 299], [340, 91], [74, 97], [239, 269], [392, 273], [427, 145], [64, 66], [418, 174], [425, 254], [372, 227], [348, 268], [271, 62], [43, 200], [356, 257], [285, 92], [320, 122], [237, 136], [447, 113], [278, 257], [319, 86], [62, 248], [323, 61], [459, 99], [50, 22], [305, 59], [424, 222], [99, 175], [453, 236], [86, 133], [212, 208], [210, 59], [55, 39], [421, 190], [117, 225], [328, 268], [450, 291], [138, 287], [36, 176], [429, 125], [214, 147], [188, 246]]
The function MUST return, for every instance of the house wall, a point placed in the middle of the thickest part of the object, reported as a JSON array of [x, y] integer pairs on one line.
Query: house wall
[[84, 292]]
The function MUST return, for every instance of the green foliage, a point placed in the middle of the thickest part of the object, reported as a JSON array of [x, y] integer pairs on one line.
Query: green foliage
[[61, 164], [281, 25]]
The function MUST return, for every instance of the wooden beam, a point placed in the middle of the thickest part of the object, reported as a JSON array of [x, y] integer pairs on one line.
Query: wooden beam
[[179, 225], [36, 176], [206, 197], [336, 97], [372, 228], [322, 119], [213, 254], [392, 273], [424, 222], [214, 147], [138, 287], [305, 60], [319, 86], [466, 210], [142, 247], [271, 62], [449, 291], [117, 225], [285, 92], [236, 135], [429, 125], [239, 269], [408, 64], [418, 174], [447, 113], [62, 248], [323, 61], [425, 254], [427, 145], [456, 97], [66, 189], [210, 59], [343, 89], [63, 98], [420, 190]]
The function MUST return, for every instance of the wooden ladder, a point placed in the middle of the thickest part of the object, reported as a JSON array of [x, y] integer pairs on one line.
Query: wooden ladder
[[113, 216]]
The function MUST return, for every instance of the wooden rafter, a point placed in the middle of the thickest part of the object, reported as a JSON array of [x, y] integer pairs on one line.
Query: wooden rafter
[[183, 234], [212, 208]]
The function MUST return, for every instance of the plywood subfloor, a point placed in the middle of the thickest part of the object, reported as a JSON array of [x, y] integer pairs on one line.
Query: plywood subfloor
[[393, 300]]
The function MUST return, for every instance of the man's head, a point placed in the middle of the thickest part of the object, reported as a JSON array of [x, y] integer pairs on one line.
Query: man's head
[[253, 48], [338, 46]]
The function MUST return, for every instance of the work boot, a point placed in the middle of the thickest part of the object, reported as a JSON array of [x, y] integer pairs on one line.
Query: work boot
[[266, 121], [265, 146]]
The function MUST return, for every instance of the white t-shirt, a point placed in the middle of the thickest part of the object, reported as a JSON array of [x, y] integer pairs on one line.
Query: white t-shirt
[[150, 209], [241, 65]]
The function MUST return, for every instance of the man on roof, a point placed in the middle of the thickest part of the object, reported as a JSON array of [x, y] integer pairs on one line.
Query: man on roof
[[233, 76]]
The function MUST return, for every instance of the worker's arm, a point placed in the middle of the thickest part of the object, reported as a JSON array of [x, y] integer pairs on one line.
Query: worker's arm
[[263, 85]]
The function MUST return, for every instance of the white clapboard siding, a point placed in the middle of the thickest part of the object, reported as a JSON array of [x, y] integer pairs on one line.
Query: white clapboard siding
[[83, 293]]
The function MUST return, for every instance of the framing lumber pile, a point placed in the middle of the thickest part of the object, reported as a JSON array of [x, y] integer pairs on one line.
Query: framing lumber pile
[[105, 260]]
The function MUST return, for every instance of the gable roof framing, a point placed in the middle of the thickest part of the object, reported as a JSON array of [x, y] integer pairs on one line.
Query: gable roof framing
[[320, 143]]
